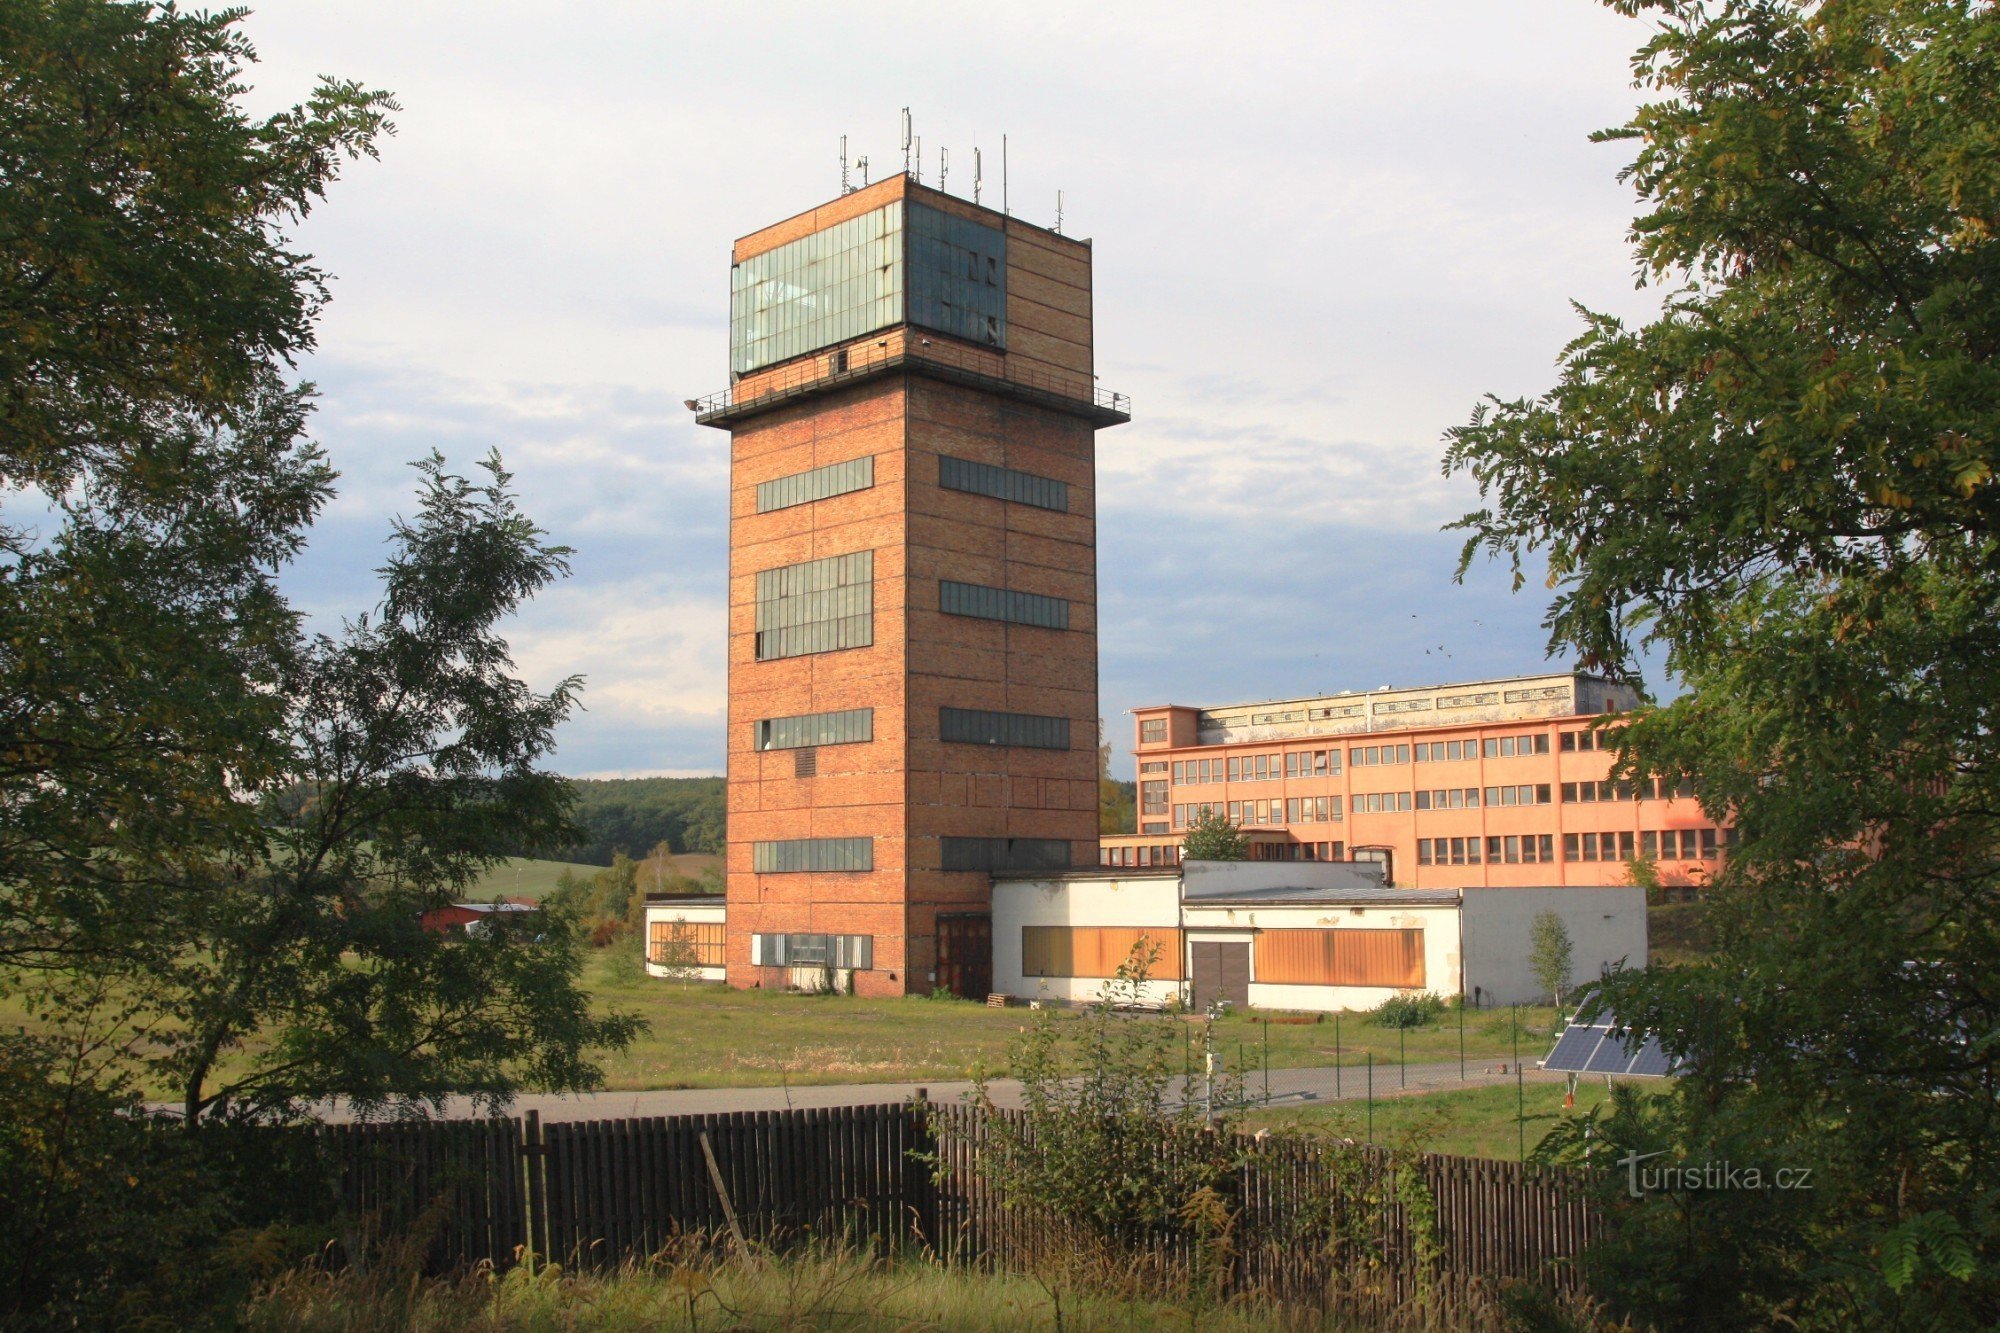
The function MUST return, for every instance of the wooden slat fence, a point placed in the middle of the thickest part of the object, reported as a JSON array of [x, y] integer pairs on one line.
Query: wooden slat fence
[[600, 1192]]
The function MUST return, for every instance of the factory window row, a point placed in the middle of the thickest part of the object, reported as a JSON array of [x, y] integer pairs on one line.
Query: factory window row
[[976, 726], [1141, 854], [1152, 797], [1002, 483], [686, 943], [813, 950], [1526, 849], [1364, 756], [846, 727], [1298, 851], [1298, 810], [817, 606], [821, 483], [1152, 731], [809, 855], [1693, 844], [1020, 608], [1005, 854], [1449, 798], [1324, 763], [1596, 738]]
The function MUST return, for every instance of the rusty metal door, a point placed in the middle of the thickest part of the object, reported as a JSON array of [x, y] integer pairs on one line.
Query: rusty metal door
[[965, 955]]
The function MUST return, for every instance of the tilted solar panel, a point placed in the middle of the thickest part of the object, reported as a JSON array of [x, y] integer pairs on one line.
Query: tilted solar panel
[[1594, 1049], [1614, 1056], [1573, 1048], [1652, 1062]]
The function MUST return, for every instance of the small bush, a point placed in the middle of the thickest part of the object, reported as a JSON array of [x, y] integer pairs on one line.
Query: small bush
[[1409, 1011]]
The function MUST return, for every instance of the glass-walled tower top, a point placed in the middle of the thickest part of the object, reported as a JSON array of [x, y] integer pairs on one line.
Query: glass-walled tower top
[[903, 263]]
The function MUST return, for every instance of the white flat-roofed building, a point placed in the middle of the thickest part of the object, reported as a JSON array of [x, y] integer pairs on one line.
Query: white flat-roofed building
[[1292, 935]]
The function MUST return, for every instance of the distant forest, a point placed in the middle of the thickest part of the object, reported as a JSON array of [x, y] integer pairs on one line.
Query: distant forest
[[635, 815]]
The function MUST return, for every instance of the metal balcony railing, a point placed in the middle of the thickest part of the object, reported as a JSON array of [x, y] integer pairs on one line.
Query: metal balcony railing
[[943, 360]]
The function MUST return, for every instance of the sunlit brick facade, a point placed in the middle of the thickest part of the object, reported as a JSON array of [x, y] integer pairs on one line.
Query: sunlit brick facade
[[1486, 783], [912, 584]]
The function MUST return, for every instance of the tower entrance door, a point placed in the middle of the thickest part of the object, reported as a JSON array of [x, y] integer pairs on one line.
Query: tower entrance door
[[965, 955]]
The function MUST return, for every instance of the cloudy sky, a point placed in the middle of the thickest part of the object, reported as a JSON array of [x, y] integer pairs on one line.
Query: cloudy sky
[[1321, 231]]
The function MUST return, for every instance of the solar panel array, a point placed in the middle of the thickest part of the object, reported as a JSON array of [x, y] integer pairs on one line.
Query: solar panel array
[[1595, 1049]]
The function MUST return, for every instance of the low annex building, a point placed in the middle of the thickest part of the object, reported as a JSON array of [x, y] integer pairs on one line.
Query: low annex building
[[686, 936], [1293, 935]]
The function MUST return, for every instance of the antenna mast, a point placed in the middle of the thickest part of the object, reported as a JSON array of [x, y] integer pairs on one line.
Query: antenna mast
[[906, 141], [975, 175], [944, 165], [844, 186], [1059, 204], [1004, 210]]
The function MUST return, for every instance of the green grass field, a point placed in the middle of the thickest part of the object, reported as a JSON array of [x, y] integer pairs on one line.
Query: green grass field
[[1465, 1122], [707, 1036], [525, 878]]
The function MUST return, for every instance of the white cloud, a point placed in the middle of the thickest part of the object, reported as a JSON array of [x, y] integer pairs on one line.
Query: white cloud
[[1321, 232]]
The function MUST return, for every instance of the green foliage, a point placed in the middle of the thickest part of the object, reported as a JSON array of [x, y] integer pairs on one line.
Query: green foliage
[[145, 275], [411, 747], [234, 824], [1421, 1009], [1550, 955], [1097, 1099], [1787, 482], [1211, 837], [119, 1220]]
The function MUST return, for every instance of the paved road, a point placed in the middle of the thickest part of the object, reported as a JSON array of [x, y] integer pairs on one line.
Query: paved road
[[1288, 1087]]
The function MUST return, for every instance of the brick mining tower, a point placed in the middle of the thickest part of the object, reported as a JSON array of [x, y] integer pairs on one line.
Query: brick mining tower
[[912, 584]]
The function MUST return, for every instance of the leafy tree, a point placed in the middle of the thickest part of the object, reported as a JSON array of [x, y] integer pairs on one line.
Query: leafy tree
[[1786, 480], [1550, 955], [1211, 837], [410, 753], [238, 824], [157, 476], [1099, 1100]]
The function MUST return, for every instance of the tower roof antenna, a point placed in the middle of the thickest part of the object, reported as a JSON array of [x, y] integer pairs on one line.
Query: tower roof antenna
[[944, 164], [844, 186], [906, 141], [1059, 204], [975, 175]]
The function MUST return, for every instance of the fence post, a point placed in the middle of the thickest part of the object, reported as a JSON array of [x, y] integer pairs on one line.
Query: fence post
[[1520, 1093], [533, 1184]]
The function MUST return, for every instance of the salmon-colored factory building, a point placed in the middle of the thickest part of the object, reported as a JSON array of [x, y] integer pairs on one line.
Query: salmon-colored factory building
[[1480, 784], [912, 584]]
